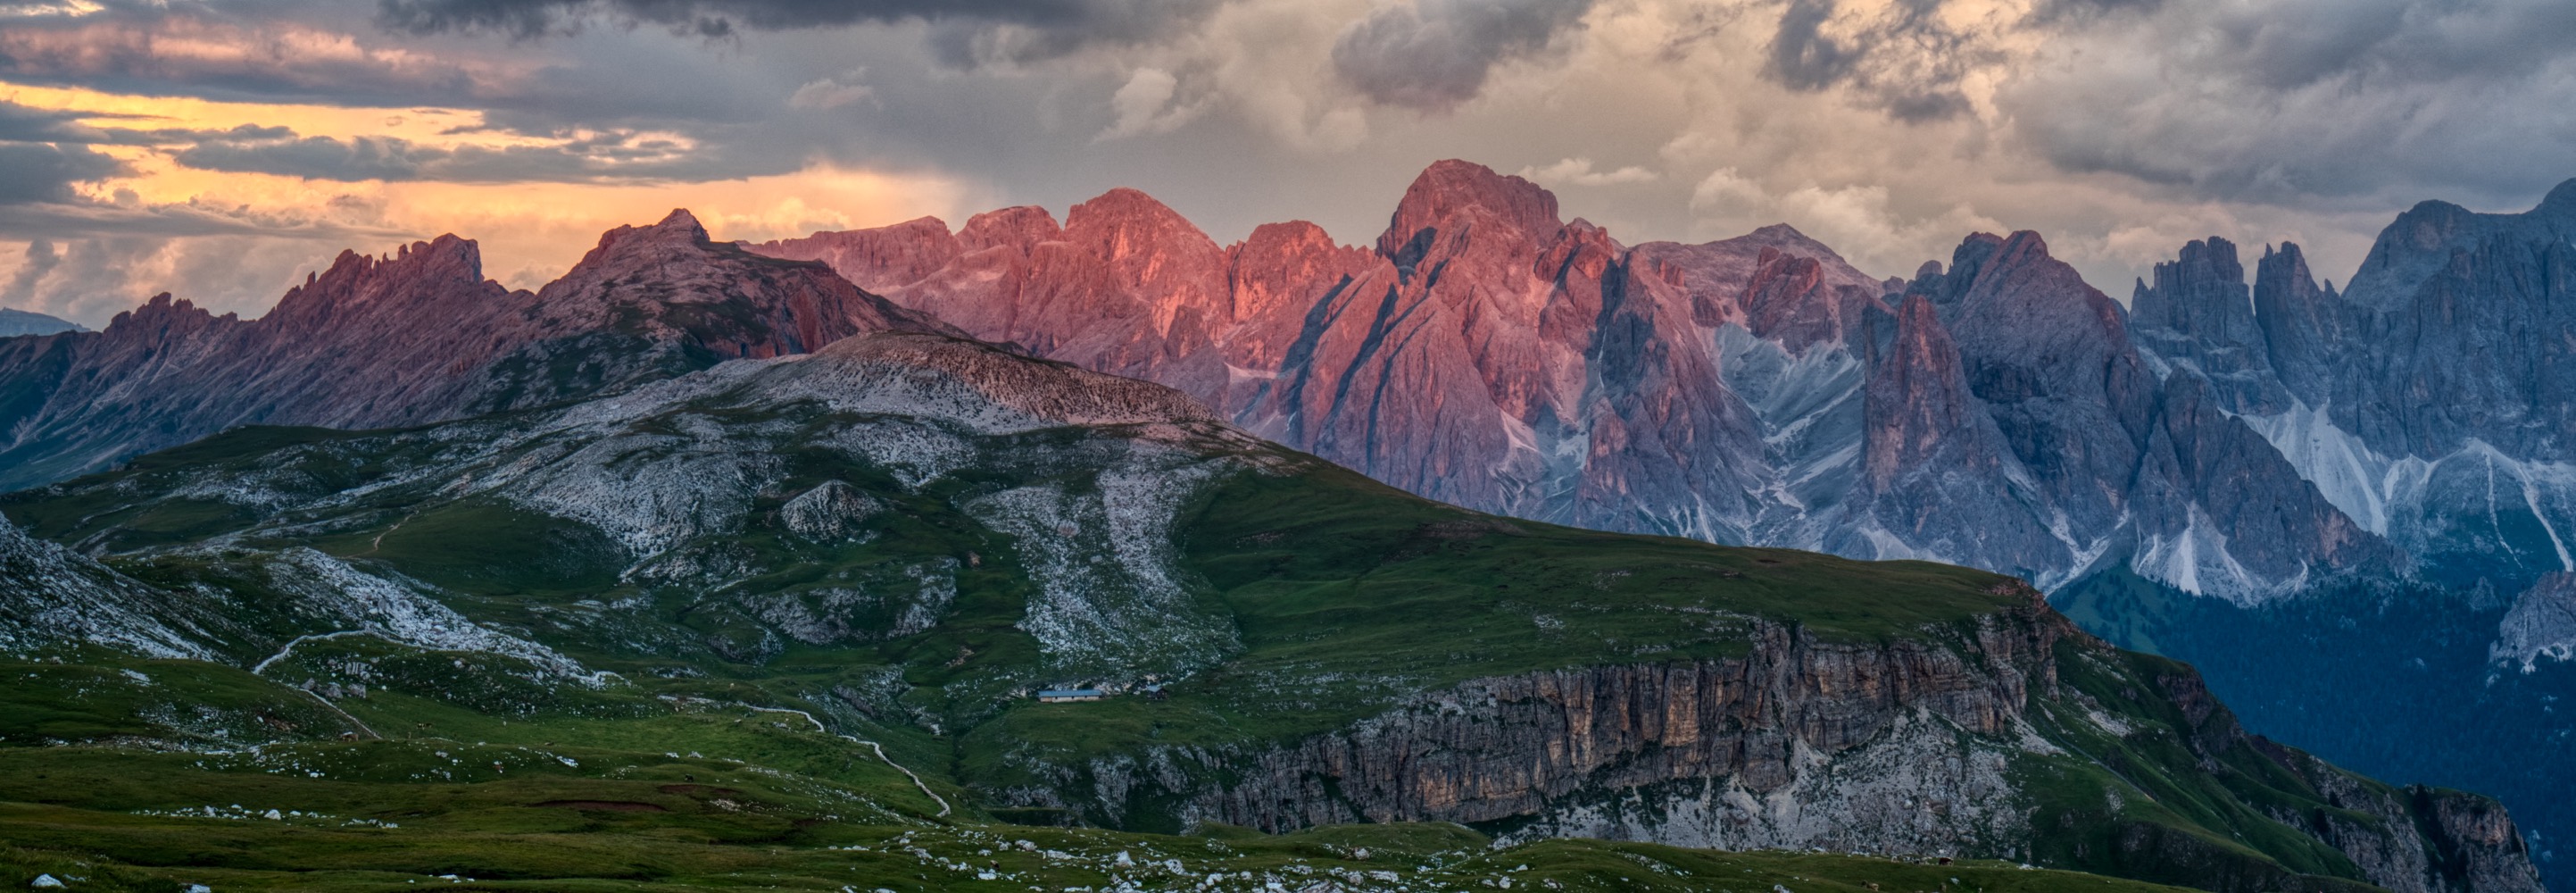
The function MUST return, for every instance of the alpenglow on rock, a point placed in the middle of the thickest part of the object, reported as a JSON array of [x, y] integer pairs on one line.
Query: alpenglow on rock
[[416, 337], [1753, 390]]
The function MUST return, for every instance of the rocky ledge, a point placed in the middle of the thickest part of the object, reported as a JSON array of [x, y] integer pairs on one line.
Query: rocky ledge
[[1959, 742]]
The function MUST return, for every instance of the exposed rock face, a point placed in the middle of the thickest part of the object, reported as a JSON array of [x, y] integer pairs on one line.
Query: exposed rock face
[[2200, 315], [50, 597], [2541, 625], [412, 338], [1904, 747], [1930, 448], [1551, 748], [831, 510], [1753, 390], [2463, 842], [2433, 401], [20, 322]]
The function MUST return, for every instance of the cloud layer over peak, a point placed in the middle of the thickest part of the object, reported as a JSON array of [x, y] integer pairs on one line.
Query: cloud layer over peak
[[1888, 128]]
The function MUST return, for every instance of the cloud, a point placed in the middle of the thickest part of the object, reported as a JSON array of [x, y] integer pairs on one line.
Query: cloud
[[2312, 101], [1578, 172], [1141, 104], [968, 32], [46, 172], [19, 123], [1435, 54], [606, 157], [1802, 56], [831, 92], [1908, 58], [1727, 195], [39, 261], [277, 58]]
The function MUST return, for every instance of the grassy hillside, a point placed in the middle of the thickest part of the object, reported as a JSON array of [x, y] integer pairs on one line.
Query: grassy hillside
[[718, 636], [520, 807]]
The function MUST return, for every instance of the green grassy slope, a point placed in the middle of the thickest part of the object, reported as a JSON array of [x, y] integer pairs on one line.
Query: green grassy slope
[[518, 807], [1337, 599]]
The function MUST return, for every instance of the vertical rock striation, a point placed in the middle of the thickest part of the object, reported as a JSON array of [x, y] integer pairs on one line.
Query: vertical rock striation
[[1484, 351]]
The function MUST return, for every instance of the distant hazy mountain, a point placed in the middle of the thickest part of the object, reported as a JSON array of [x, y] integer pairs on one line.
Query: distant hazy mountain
[[20, 322]]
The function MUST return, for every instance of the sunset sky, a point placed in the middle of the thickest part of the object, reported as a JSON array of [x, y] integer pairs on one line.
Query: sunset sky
[[219, 149]]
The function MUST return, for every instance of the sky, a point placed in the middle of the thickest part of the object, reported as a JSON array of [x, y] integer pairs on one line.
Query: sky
[[221, 149]]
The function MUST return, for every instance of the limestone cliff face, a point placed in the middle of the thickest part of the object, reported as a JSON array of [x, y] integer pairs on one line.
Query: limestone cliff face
[[2461, 841], [1933, 744], [1562, 750], [2200, 315]]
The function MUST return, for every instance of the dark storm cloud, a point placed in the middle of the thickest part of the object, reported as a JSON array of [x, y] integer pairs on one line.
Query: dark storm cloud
[[962, 30], [1434, 54], [2302, 101], [1801, 56], [45, 172], [1903, 61]]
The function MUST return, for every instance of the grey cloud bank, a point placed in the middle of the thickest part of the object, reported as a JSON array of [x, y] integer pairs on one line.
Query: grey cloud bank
[[2119, 127]]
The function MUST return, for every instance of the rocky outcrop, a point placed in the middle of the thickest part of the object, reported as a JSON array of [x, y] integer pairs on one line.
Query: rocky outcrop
[[1933, 450], [52, 598], [412, 338], [2541, 624], [2199, 315], [1929, 745], [1558, 751], [2414, 839]]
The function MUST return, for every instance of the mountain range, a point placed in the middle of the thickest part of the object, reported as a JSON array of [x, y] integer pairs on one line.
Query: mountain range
[[905, 534], [639, 430]]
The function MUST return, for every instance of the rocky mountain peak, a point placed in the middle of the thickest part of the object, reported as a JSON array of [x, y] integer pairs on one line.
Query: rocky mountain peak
[[2199, 313], [681, 221], [164, 315], [881, 259], [2560, 203], [1449, 187], [678, 230], [441, 269], [940, 375], [1280, 269], [2203, 291], [1018, 227], [1149, 245], [1126, 208]]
